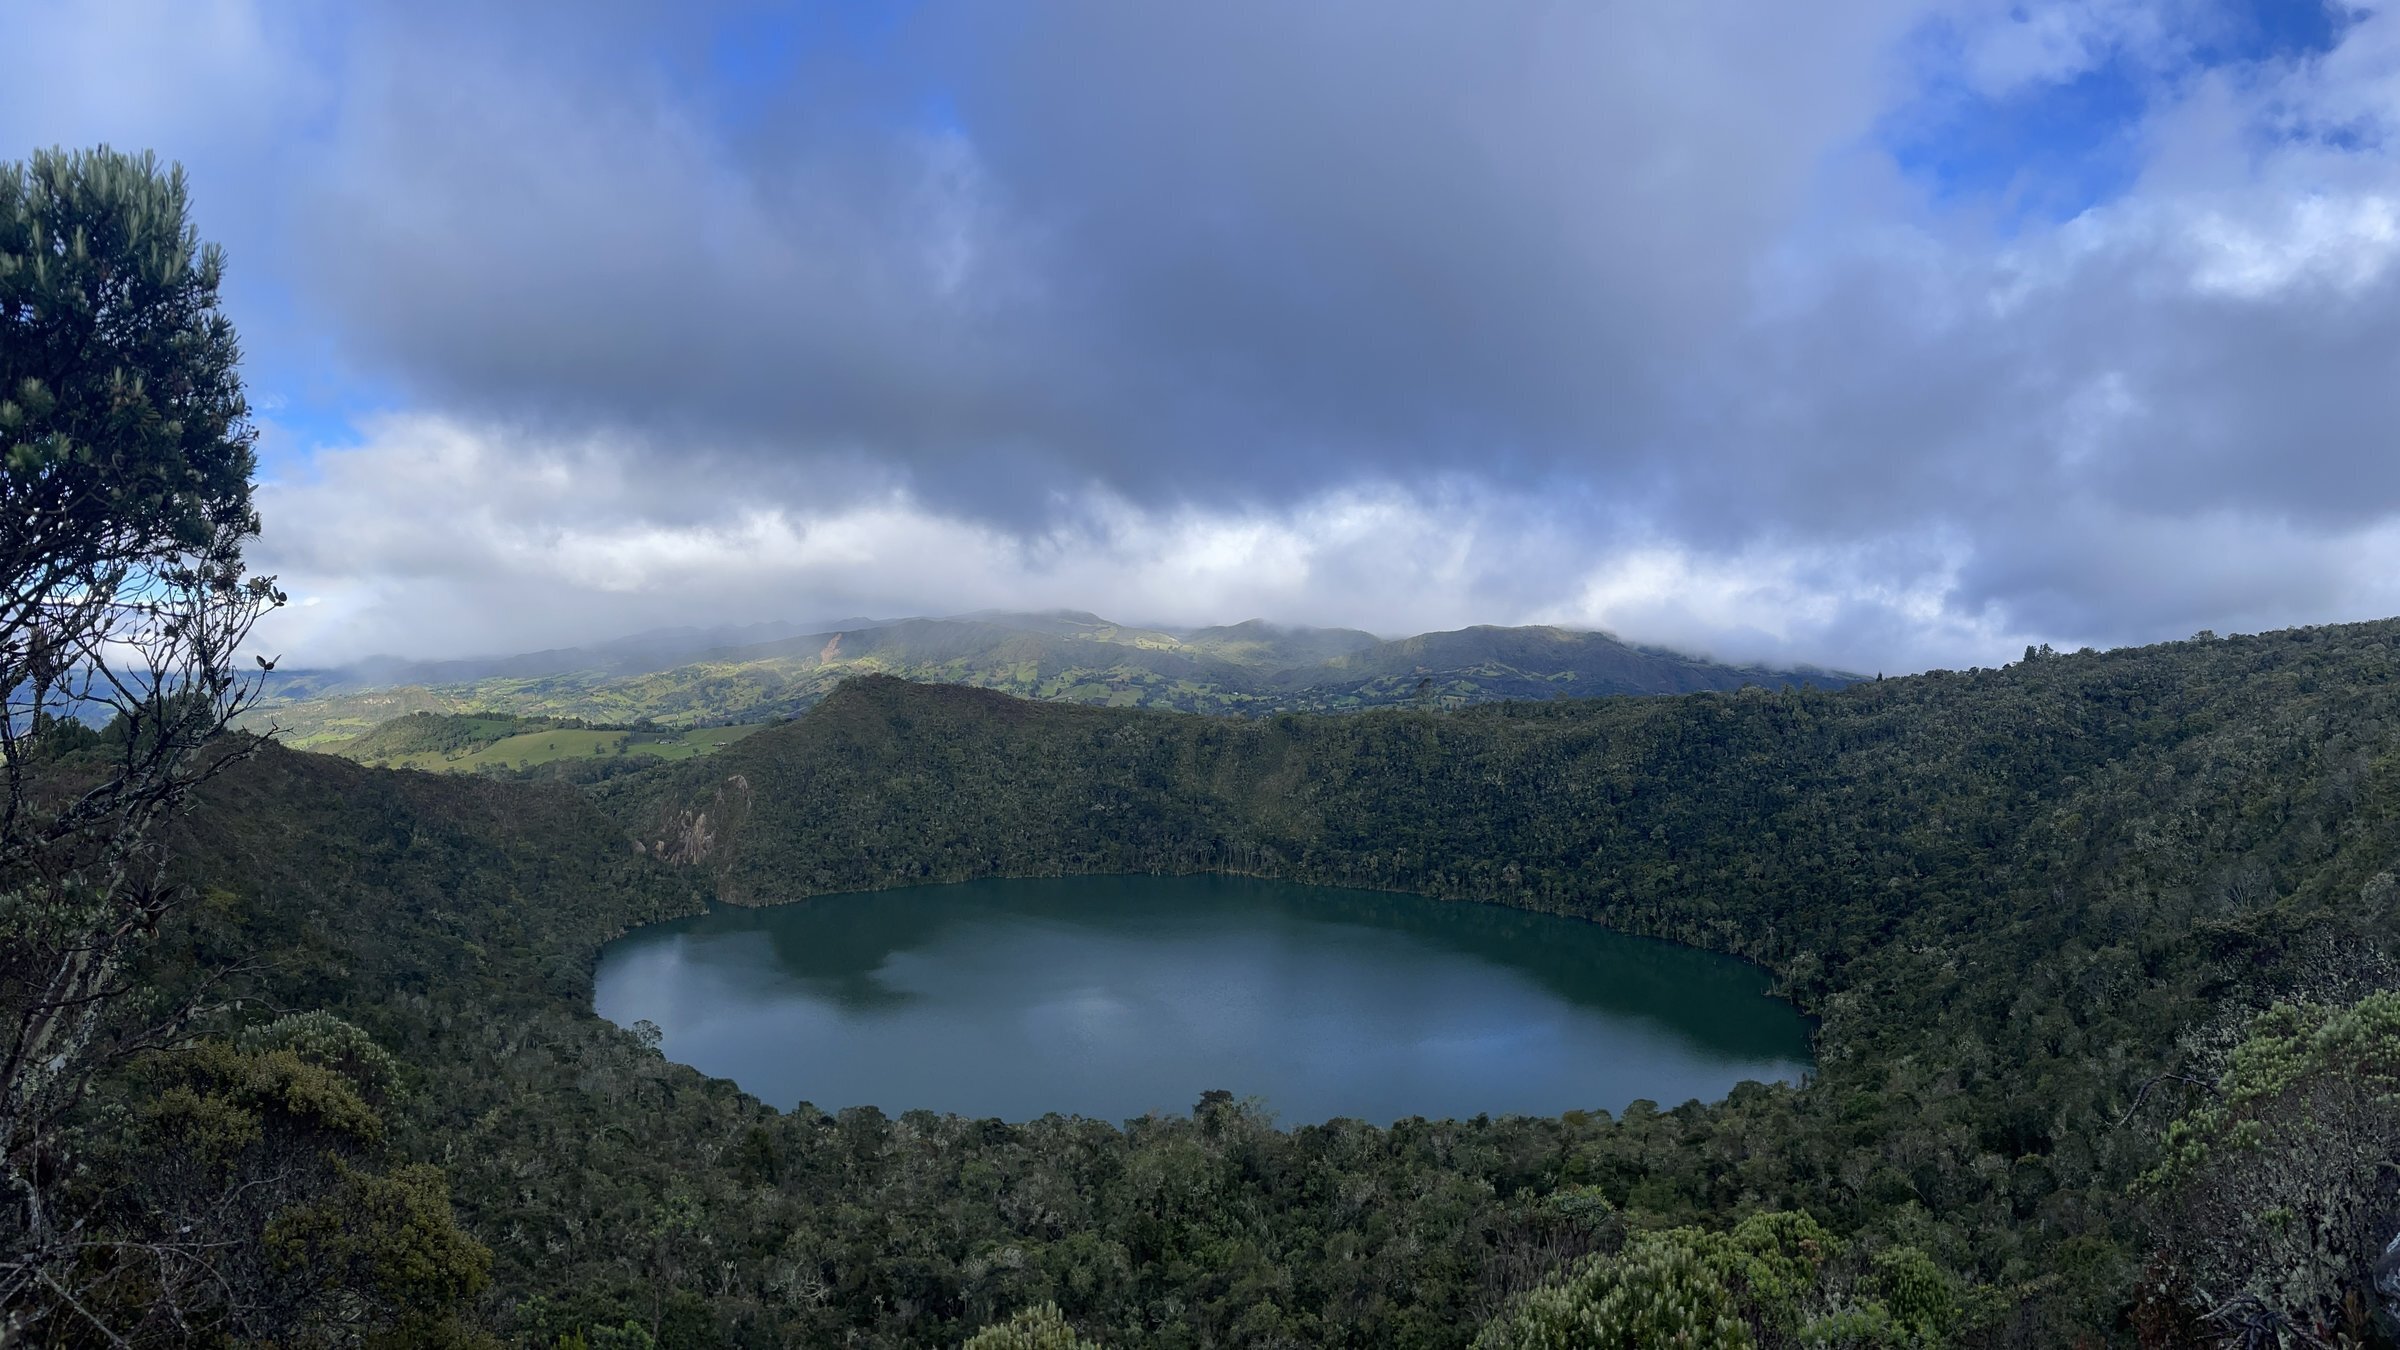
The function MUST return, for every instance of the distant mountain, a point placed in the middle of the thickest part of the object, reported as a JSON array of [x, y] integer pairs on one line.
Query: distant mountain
[[655, 649], [1265, 646], [1483, 663], [300, 716], [700, 677]]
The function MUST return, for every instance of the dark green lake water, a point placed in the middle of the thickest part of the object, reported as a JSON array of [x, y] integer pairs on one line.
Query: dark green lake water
[[1114, 996]]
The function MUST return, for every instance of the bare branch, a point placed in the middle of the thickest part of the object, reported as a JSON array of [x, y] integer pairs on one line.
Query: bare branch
[[2154, 1081]]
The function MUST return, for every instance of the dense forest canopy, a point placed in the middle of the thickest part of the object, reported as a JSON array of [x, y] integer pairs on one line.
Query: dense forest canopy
[[2041, 910]]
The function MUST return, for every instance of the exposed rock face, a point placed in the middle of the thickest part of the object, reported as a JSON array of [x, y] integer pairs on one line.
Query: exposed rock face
[[690, 837]]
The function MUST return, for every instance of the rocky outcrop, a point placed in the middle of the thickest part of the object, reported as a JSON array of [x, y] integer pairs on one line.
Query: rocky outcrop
[[691, 836]]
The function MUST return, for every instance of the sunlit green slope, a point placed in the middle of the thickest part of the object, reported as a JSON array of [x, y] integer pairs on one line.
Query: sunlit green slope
[[470, 743], [1245, 668]]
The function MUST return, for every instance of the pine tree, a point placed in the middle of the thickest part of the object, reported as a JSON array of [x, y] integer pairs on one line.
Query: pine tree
[[125, 466]]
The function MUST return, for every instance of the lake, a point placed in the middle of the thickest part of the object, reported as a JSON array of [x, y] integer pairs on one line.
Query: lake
[[1114, 996]]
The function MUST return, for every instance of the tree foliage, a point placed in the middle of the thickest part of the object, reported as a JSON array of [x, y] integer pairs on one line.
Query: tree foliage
[[2106, 865], [1775, 1279], [1040, 1327], [1656, 1293], [238, 1189], [2280, 1179], [123, 431], [168, 1174], [124, 504]]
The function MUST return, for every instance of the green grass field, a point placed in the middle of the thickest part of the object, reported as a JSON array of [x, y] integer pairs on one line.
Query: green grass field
[[317, 723], [545, 746]]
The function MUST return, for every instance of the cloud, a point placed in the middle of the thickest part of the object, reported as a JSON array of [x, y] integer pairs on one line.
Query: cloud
[[1657, 317], [479, 539], [1145, 248]]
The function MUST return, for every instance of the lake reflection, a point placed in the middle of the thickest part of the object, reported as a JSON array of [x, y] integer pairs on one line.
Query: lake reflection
[[1114, 996]]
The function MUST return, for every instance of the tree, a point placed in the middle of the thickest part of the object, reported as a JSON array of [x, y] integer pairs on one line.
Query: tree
[[1775, 1279], [1659, 1291], [2281, 1192], [1041, 1327], [125, 503], [240, 1197]]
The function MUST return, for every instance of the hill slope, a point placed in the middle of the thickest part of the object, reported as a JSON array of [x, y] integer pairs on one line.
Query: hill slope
[[1065, 656], [1476, 665], [471, 743], [2015, 897]]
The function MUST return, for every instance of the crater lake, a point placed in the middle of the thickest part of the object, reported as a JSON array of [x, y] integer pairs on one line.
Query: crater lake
[[1115, 996]]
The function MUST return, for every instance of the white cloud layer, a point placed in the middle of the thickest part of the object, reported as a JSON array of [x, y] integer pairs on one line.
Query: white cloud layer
[[498, 543]]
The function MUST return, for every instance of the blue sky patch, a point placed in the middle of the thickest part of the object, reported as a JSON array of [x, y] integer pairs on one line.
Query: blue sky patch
[[2049, 150]]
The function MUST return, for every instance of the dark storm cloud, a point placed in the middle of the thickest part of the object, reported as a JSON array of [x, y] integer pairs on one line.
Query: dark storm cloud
[[1234, 253], [575, 250], [1212, 252], [1408, 237]]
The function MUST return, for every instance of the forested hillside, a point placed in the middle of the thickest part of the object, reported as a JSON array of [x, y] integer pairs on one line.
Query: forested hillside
[[2017, 898], [627, 1201], [1484, 663]]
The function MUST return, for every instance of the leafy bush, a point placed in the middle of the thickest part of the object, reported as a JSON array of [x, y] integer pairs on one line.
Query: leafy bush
[[1040, 1327], [2283, 1190], [1658, 1292]]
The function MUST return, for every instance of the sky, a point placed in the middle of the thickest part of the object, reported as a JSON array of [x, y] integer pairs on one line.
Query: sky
[[1875, 334]]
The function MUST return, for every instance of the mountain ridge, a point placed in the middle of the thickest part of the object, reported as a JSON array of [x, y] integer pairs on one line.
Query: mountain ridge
[[1249, 668]]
